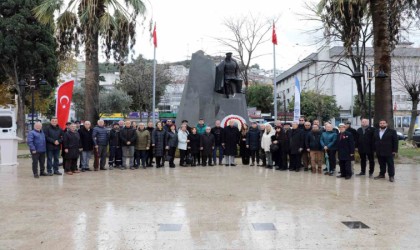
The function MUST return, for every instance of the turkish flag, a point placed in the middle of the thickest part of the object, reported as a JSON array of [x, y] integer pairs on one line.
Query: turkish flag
[[154, 36], [64, 96], [274, 36]]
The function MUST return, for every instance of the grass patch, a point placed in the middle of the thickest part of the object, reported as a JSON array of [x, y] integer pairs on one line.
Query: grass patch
[[408, 151], [23, 146]]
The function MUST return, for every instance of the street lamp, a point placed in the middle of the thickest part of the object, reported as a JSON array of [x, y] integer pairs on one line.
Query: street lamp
[[284, 105], [35, 81]]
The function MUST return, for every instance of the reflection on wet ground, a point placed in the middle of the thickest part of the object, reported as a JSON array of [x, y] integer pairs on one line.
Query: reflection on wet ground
[[207, 208]]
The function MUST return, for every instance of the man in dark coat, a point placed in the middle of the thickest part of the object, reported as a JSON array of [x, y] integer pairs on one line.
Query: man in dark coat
[[218, 133], [285, 144], [231, 141], [128, 139], [365, 147], [262, 152], [345, 148], [115, 152], [207, 142], [305, 154], [150, 128], [297, 143], [386, 147], [100, 137], [86, 140], [72, 148], [253, 142], [54, 138]]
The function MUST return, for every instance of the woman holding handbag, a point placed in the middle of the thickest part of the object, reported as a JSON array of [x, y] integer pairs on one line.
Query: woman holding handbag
[[194, 145]]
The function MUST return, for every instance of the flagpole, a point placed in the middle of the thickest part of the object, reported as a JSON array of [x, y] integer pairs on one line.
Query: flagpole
[[154, 86], [275, 84]]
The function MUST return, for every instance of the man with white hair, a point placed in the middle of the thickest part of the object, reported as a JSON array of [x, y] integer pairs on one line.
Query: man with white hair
[[128, 139], [100, 138], [231, 141], [86, 139], [37, 145], [207, 143], [365, 147], [345, 148], [329, 144]]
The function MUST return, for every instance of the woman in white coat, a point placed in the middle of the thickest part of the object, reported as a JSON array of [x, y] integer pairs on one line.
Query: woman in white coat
[[266, 142], [182, 144]]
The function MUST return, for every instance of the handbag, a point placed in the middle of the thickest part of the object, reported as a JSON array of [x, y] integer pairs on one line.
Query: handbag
[[168, 157], [274, 148], [189, 159]]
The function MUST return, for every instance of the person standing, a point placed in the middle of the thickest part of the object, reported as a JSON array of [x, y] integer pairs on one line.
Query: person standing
[[243, 149], [285, 145], [128, 138], [194, 145], [185, 122], [72, 148], [345, 148], [262, 152], [305, 153], [314, 148], [86, 139], [115, 153], [231, 143], [159, 144], [38, 146], [100, 138], [266, 142], [201, 127], [296, 146], [62, 151], [207, 143], [276, 155], [183, 144], [218, 133], [150, 128], [386, 147], [253, 143], [365, 147], [172, 143], [54, 138], [142, 146], [329, 144]]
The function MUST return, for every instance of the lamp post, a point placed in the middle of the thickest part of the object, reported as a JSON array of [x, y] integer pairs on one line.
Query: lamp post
[[34, 83], [284, 105]]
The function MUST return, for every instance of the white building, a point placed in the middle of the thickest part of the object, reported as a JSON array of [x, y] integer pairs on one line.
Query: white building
[[316, 73]]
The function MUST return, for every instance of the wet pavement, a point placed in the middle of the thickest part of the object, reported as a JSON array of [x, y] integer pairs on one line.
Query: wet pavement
[[208, 208]]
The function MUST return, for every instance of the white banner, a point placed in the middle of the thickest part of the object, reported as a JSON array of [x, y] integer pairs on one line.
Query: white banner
[[296, 115]]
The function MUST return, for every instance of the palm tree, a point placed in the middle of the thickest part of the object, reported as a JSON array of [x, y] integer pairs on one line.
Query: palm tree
[[87, 23]]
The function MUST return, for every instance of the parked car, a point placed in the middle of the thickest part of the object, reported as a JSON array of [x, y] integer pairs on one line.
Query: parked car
[[401, 136], [416, 137]]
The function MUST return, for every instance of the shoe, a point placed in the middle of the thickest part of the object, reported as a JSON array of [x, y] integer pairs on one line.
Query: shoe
[[102, 168], [69, 173], [95, 169], [269, 167], [379, 177], [252, 164], [325, 169], [43, 174], [331, 173], [50, 174], [327, 173], [226, 165], [306, 169], [348, 177], [211, 165], [57, 173], [193, 165], [76, 171], [123, 168], [83, 170], [157, 166], [150, 166], [132, 168], [341, 176], [283, 169], [391, 179], [36, 176], [204, 165], [233, 165], [88, 169], [110, 167], [371, 176], [278, 168], [360, 174], [263, 165]]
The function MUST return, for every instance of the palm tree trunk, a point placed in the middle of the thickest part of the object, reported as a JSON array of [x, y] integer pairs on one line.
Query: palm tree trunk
[[413, 119], [92, 78], [382, 60]]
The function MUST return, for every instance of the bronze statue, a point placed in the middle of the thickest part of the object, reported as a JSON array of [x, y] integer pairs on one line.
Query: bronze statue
[[227, 77]]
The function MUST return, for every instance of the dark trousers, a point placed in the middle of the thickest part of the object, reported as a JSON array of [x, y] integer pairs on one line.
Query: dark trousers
[[385, 161], [71, 165], [263, 158], [182, 156], [171, 153], [255, 154], [294, 162], [150, 156], [140, 157], [286, 157], [363, 157], [278, 159], [159, 161], [53, 160], [220, 148], [102, 155], [115, 156], [345, 168], [206, 157], [38, 158], [332, 159], [196, 158], [245, 159]]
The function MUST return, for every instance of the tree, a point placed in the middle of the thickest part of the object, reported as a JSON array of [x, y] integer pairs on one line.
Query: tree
[[27, 48], [137, 80], [248, 33], [357, 109], [87, 23], [261, 97], [407, 78], [314, 105]]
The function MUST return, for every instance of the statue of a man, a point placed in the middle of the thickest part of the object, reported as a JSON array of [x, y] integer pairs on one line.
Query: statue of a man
[[227, 77]]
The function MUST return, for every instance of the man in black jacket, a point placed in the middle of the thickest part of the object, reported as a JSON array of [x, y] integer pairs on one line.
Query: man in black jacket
[[54, 137], [128, 138], [296, 146], [253, 142], [150, 128], [115, 152], [218, 133], [285, 144], [86, 140], [231, 141], [386, 147], [345, 149], [365, 147]]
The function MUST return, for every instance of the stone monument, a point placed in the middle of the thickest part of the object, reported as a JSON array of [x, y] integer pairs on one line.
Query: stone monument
[[199, 99]]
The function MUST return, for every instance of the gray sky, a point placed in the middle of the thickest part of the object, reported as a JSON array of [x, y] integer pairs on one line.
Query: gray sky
[[185, 26]]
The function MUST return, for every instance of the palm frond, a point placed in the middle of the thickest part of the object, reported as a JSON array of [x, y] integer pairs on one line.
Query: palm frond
[[44, 12]]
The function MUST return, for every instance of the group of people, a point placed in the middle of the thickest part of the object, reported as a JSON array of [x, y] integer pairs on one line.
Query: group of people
[[284, 147]]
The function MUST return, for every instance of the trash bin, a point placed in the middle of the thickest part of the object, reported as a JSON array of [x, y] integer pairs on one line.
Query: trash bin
[[8, 148]]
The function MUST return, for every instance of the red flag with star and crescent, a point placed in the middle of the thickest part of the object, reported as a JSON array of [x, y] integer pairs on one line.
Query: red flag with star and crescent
[[274, 36], [63, 103], [154, 37]]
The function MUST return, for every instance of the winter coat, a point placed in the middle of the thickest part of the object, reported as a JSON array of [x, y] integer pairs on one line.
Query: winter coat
[[114, 138], [353, 132], [243, 150], [345, 146], [143, 139], [231, 140], [386, 145], [253, 139], [86, 139], [100, 136], [201, 129], [266, 140], [284, 139], [207, 142], [151, 133], [194, 143], [329, 139], [305, 135], [159, 140], [313, 141], [172, 139], [297, 141], [182, 139], [128, 135], [53, 133], [36, 141], [218, 135], [364, 140], [71, 142]]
